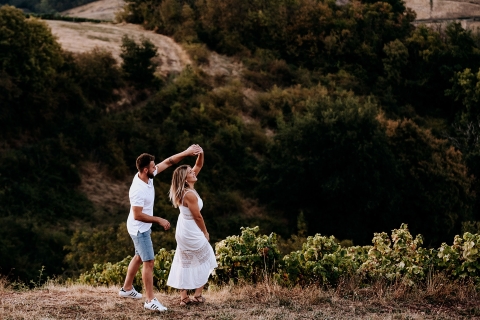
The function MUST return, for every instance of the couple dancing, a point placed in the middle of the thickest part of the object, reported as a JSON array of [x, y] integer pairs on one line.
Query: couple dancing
[[194, 259]]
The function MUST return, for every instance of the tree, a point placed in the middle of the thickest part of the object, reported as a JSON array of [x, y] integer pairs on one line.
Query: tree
[[340, 159], [334, 164], [29, 59], [98, 74], [466, 89], [435, 187], [137, 61]]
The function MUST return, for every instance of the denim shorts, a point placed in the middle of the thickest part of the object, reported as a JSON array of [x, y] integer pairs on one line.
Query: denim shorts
[[143, 245]]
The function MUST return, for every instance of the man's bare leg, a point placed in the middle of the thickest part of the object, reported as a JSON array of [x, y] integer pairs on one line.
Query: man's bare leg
[[147, 276], [132, 270]]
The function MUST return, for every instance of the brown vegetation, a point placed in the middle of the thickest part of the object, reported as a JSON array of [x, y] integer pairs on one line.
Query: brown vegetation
[[439, 299]]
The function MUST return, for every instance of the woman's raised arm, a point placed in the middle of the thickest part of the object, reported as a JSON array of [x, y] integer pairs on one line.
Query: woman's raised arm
[[199, 163]]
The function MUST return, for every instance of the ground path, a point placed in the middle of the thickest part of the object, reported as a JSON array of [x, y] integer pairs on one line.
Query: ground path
[[247, 302]]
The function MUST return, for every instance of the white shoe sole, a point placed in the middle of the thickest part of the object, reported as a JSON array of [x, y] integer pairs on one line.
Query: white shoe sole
[[157, 310], [138, 296]]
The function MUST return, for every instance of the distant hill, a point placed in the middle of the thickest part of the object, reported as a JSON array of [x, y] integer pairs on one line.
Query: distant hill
[[101, 10], [82, 37], [426, 10], [444, 9]]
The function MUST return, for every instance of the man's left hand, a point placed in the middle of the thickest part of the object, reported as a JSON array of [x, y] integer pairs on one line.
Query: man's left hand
[[164, 223]]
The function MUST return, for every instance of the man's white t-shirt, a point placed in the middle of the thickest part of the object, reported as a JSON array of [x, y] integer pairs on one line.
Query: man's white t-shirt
[[141, 195]]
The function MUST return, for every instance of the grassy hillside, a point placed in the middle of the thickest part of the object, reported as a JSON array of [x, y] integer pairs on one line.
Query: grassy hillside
[[83, 37], [100, 10]]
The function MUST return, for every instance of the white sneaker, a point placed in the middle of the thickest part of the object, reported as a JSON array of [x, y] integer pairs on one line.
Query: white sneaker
[[130, 294], [154, 305]]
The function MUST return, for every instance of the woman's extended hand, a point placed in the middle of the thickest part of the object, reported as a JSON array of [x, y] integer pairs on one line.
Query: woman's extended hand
[[207, 236]]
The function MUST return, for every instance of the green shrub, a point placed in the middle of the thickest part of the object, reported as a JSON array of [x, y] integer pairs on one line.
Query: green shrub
[[322, 260], [109, 274], [246, 257], [114, 273], [405, 260], [462, 259], [107, 243], [198, 53]]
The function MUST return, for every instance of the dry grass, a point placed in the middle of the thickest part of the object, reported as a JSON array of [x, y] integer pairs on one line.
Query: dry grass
[[263, 301], [172, 57], [85, 36], [103, 191], [101, 10]]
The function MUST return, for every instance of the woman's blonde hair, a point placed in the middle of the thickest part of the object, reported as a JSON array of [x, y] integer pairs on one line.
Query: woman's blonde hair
[[179, 184]]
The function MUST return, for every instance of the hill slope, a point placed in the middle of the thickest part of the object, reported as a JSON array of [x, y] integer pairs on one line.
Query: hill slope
[[101, 10], [444, 9], [426, 10], [82, 37]]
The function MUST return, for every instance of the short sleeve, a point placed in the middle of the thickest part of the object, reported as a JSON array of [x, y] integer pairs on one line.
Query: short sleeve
[[137, 199]]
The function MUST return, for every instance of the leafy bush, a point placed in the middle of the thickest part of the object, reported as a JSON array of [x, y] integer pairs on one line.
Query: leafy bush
[[109, 274], [198, 53], [405, 260], [321, 261], [246, 257], [107, 243], [462, 258], [114, 273]]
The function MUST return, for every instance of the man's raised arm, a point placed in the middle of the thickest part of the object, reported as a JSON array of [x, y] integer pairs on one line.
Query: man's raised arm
[[193, 150]]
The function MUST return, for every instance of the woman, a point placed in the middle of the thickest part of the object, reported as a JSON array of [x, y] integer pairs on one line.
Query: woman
[[194, 259]]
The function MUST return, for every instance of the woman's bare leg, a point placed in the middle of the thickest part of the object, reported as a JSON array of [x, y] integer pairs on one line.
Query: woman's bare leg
[[183, 294], [198, 292]]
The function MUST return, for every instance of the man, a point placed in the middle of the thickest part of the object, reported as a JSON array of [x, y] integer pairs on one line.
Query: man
[[140, 219]]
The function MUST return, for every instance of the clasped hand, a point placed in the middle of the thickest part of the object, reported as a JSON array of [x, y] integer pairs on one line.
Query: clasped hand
[[195, 149]]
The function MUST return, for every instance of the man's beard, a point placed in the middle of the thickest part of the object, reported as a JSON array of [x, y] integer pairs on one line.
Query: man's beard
[[150, 175]]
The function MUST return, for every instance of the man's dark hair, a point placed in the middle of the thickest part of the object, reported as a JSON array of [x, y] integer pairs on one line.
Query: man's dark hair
[[144, 160]]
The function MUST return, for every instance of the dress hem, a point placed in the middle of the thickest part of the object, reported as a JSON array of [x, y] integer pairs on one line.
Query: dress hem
[[190, 287]]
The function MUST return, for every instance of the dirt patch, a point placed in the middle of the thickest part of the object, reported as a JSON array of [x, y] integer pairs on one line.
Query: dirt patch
[[102, 190], [223, 66]]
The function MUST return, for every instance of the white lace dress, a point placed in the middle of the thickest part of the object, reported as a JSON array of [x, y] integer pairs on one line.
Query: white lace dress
[[194, 259]]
